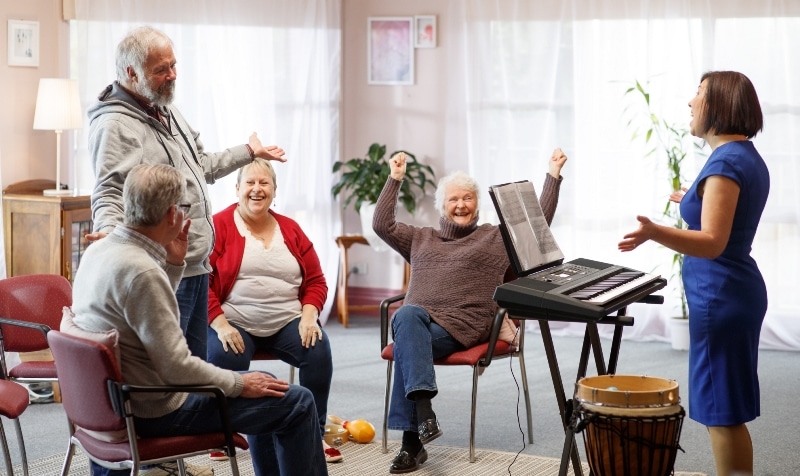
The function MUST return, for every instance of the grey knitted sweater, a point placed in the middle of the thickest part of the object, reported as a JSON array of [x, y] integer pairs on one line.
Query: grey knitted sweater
[[125, 283], [456, 268]]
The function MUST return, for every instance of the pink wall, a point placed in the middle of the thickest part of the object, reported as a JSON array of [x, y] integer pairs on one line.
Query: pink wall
[[26, 153], [402, 117]]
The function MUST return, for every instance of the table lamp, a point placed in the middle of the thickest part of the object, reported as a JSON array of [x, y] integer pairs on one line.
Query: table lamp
[[58, 108]]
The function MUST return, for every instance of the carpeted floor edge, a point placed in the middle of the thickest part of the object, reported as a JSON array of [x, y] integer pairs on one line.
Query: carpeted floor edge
[[368, 459]]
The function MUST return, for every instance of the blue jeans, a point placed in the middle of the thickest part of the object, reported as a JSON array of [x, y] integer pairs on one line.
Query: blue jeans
[[418, 341], [315, 363], [192, 297], [282, 432]]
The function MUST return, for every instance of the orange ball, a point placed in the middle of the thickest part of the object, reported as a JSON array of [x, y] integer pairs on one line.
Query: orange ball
[[361, 431]]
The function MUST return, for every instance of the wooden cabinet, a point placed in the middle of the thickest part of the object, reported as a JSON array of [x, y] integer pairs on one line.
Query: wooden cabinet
[[44, 235]]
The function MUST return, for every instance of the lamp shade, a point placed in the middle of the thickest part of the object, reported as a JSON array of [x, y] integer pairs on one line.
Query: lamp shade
[[58, 105]]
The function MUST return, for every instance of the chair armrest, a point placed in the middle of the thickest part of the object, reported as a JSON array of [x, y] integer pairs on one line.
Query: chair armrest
[[385, 317], [494, 334], [44, 329], [120, 394]]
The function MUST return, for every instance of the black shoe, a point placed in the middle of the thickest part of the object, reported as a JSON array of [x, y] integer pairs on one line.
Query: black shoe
[[405, 463], [429, 430]]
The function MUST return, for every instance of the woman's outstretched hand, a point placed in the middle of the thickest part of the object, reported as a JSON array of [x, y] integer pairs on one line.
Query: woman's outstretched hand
[[635, 238], [677, 195]]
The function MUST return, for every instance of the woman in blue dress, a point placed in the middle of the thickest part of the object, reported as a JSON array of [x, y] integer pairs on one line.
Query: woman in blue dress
[[725, 291]]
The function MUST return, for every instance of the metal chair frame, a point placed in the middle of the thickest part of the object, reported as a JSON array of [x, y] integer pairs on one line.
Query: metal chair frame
[[492, 353], [112, 412], [264, 355], [14, 402]]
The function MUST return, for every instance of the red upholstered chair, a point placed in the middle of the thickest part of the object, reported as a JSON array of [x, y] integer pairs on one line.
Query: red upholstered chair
[[37, 300], [476, 357], [13, 401], [97, 404]]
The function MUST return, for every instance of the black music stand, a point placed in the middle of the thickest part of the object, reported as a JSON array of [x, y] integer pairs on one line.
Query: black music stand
[[591, 341]]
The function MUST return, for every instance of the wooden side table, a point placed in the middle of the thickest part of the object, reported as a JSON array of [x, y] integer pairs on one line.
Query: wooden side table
[[342, 305]]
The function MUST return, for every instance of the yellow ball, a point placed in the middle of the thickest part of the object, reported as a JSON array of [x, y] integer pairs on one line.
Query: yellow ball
[[361, 431]]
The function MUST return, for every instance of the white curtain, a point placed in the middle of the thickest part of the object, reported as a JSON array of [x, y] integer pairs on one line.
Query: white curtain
[[267, 66], [538, 75]]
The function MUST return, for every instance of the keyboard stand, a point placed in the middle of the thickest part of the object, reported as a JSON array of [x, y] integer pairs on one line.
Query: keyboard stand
[[591, 342]]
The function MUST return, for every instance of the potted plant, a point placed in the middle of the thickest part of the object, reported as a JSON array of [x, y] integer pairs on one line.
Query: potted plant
[[667, 141], [363, 178]]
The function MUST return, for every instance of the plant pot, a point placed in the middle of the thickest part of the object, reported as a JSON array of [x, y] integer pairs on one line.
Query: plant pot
[[366, 212], [679, 333]]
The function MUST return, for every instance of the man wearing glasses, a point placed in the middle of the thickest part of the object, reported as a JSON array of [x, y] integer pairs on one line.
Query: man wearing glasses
[[126, 282]]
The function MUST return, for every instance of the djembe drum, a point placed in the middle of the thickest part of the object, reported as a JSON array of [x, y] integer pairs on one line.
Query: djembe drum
[[631, 424]]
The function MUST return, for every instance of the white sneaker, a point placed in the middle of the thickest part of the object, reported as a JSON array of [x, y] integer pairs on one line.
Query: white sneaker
[[40, 392], [171, 469]]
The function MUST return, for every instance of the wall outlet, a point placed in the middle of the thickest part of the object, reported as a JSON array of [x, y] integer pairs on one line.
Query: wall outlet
[[360, 268]]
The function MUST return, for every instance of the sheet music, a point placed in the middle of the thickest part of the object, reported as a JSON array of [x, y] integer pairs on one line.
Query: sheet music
[[521, 212]]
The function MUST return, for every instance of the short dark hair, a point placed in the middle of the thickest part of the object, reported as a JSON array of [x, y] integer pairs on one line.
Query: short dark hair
[[149, 191], [731, 105]]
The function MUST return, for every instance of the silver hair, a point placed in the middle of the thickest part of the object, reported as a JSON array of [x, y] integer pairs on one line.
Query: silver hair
[[149, 191], [134, 49], [460, 180], [262, 164]]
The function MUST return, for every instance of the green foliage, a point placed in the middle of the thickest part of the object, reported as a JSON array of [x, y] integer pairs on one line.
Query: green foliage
[[363, 178], [667, 142]]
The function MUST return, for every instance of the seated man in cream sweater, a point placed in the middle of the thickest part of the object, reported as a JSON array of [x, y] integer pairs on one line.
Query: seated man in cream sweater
[[127, 282]]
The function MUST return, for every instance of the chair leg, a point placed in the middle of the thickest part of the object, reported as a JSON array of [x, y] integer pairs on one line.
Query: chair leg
[[384, 444], [6, 454], [234, 465], [68, 460], [181, 467], [70, 450], [22, 452], [475, 374], [291, 373], [524, 376]]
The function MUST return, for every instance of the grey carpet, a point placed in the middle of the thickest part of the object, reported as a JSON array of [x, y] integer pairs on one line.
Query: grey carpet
[[368, 459], [360, 375]]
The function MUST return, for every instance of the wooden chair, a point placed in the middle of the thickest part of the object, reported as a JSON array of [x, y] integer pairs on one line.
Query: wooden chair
[[101, 423], [477, 357]]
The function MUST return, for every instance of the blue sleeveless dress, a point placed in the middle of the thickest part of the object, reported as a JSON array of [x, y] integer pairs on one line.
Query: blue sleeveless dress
[[727, 296]]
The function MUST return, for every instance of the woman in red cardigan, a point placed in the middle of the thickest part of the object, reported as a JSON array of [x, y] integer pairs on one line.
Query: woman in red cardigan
[[266, 289]]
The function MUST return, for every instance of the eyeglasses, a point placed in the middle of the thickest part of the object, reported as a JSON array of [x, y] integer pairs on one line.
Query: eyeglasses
[[185, 207]]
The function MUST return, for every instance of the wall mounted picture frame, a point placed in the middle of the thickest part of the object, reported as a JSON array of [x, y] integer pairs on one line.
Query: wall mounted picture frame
[[425, 31], [23, 43], [390, 50]]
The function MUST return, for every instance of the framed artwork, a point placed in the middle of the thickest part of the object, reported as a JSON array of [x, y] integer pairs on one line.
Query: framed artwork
[[390, 50], [23, 43], [425, 31]]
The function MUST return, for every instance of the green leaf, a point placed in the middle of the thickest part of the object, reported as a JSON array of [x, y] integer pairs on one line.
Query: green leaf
[[670, 142], [362, 179]]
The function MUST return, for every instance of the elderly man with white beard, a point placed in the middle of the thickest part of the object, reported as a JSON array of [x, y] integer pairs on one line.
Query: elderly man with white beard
[[134, 122]]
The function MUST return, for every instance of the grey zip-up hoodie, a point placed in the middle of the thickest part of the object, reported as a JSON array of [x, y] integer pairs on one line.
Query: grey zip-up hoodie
[[122, 135]]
